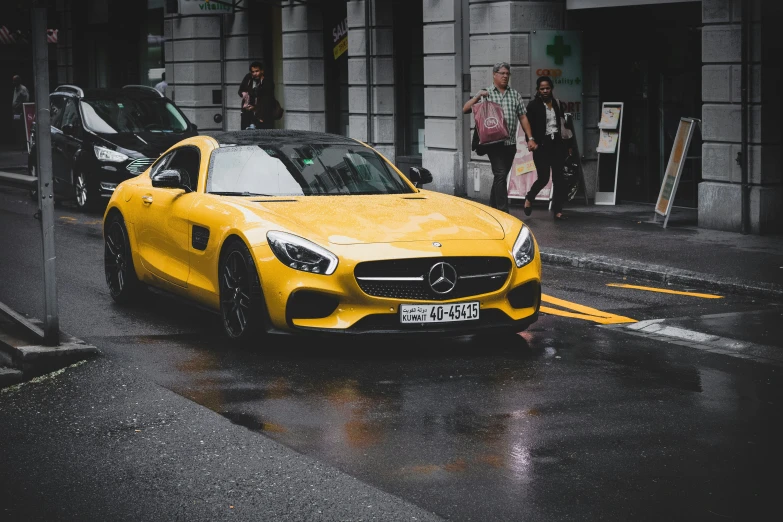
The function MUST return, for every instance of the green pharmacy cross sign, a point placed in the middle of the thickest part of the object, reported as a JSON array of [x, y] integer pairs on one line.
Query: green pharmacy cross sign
[[558, 50]]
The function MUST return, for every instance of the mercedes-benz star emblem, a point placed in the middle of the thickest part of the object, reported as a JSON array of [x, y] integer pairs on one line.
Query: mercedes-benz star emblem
[[442, 278]]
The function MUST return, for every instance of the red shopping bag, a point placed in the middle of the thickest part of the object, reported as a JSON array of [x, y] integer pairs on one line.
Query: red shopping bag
[[490, 122]]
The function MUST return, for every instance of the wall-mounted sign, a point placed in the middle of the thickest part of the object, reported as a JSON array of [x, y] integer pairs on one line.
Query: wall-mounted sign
[[558, 54], [340, 38], [187, 7]]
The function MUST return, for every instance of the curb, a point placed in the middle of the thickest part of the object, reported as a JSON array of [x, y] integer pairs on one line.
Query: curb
[[22, 359], [24, 181], [662, 274]]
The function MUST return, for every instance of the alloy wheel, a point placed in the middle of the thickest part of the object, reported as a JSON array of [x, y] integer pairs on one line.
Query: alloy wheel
[[115, 257], [235, 294], [81, 190]]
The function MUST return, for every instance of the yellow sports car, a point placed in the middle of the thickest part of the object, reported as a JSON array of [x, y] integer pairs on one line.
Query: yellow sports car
[[305, 232]]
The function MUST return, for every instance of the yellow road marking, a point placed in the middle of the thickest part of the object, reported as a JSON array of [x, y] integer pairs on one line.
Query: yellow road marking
[[587, 313], [666, 291]]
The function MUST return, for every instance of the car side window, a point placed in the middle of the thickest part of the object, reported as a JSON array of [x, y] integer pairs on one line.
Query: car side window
[[70, 115], [56, 109], [187, 160]]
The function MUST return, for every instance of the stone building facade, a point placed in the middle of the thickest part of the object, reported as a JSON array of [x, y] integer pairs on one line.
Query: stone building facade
[[408, 103]]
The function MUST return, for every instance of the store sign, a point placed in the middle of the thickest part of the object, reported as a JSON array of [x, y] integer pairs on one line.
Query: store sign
[[340, 38], [188, 7], [558, 54]]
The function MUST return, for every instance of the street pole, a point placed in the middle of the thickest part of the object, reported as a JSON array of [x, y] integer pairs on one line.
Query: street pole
[[43, 148]]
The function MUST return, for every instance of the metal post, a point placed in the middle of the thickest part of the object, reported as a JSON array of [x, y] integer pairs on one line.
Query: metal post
[[745, 13], [43, 149]]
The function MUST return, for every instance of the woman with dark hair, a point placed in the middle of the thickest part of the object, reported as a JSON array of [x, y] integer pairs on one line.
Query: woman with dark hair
[[549, 149]]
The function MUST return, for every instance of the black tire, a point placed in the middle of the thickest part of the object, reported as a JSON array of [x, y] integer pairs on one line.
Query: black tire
[[86, 195], [118, 266], [241, 299]]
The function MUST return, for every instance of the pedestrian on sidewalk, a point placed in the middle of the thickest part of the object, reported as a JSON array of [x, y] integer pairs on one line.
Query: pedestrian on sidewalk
[[21, 96], [162, 84], [260, 108], [501, 155], [548, 145]]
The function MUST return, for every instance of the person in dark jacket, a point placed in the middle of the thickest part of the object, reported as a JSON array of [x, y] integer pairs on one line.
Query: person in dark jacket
[[259, 106], [548, 146]]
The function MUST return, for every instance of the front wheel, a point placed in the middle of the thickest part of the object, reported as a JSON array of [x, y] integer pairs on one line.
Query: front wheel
[[118, 263], [241, 300], [86, 198]]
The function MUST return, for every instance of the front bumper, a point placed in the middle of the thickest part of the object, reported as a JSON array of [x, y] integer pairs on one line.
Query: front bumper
[[358, 313]]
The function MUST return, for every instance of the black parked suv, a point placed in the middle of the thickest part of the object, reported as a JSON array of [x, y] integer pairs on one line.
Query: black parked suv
[[101, 137]]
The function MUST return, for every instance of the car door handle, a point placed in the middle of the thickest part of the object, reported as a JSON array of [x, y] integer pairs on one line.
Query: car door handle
[[147, 199]]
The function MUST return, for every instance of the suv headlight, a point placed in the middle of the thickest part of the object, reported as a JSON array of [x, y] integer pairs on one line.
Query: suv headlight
[[301, 254], [524, 247], [104, 154]]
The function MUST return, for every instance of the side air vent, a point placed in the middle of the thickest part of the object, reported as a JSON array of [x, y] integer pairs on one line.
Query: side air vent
[[200, 237]]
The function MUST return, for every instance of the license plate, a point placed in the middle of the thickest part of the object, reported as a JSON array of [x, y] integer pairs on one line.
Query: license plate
[[439, 313]]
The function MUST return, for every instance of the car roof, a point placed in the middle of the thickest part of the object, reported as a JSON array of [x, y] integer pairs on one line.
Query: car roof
[[277, 137], [107, 93]]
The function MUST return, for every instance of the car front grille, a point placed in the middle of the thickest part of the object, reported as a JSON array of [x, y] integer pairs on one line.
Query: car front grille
[[411, 279], [138, 166]]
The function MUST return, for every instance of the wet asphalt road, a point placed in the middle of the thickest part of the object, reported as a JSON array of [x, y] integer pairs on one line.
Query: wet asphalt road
[[570, 420]]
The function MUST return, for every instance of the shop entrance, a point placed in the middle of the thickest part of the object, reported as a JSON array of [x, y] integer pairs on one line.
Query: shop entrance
[[408, 36], [335, 18], [651, 61]]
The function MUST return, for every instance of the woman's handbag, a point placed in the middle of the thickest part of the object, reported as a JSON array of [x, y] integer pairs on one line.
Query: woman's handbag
[[490, 122]]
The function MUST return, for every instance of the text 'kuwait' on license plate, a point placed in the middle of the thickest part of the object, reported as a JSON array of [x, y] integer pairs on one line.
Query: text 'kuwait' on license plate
[[439, 313]]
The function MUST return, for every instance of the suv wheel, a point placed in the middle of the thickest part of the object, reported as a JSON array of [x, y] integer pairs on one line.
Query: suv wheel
[[85, 197]]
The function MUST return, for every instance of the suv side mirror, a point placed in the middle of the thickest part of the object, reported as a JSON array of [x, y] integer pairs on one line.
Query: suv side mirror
[[420, 176], [169, 178], [69, 129]]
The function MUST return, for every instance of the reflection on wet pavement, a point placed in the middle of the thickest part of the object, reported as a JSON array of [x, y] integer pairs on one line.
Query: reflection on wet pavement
[[474, 429]]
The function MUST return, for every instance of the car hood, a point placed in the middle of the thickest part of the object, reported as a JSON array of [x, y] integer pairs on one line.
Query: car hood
[[350, 220], [147, 144]]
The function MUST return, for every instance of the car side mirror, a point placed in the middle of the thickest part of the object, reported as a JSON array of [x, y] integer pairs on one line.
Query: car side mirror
[[69, 129], [169, 178], [194, 127], [420, 176]]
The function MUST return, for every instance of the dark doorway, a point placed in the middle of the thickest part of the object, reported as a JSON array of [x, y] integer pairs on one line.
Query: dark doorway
[[408, 37], [651, 61], [335, 17]]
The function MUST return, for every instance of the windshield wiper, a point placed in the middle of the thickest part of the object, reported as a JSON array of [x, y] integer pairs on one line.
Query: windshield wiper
[[239, 194]]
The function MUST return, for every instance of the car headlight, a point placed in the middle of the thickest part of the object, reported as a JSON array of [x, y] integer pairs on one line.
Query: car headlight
[[104, 154], [524, 247], [301, 254]]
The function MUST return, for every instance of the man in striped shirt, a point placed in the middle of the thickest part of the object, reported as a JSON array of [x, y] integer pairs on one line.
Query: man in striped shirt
[[501, 155]]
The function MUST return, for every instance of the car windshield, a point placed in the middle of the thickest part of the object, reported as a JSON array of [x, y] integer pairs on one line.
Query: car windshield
[[112, 116], [301, 170]]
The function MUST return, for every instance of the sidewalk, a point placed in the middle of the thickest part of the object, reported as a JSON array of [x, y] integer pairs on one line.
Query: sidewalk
[[622, 239]]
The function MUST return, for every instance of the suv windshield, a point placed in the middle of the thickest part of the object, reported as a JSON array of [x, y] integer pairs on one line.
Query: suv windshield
[[112, 116], [309, 170]]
